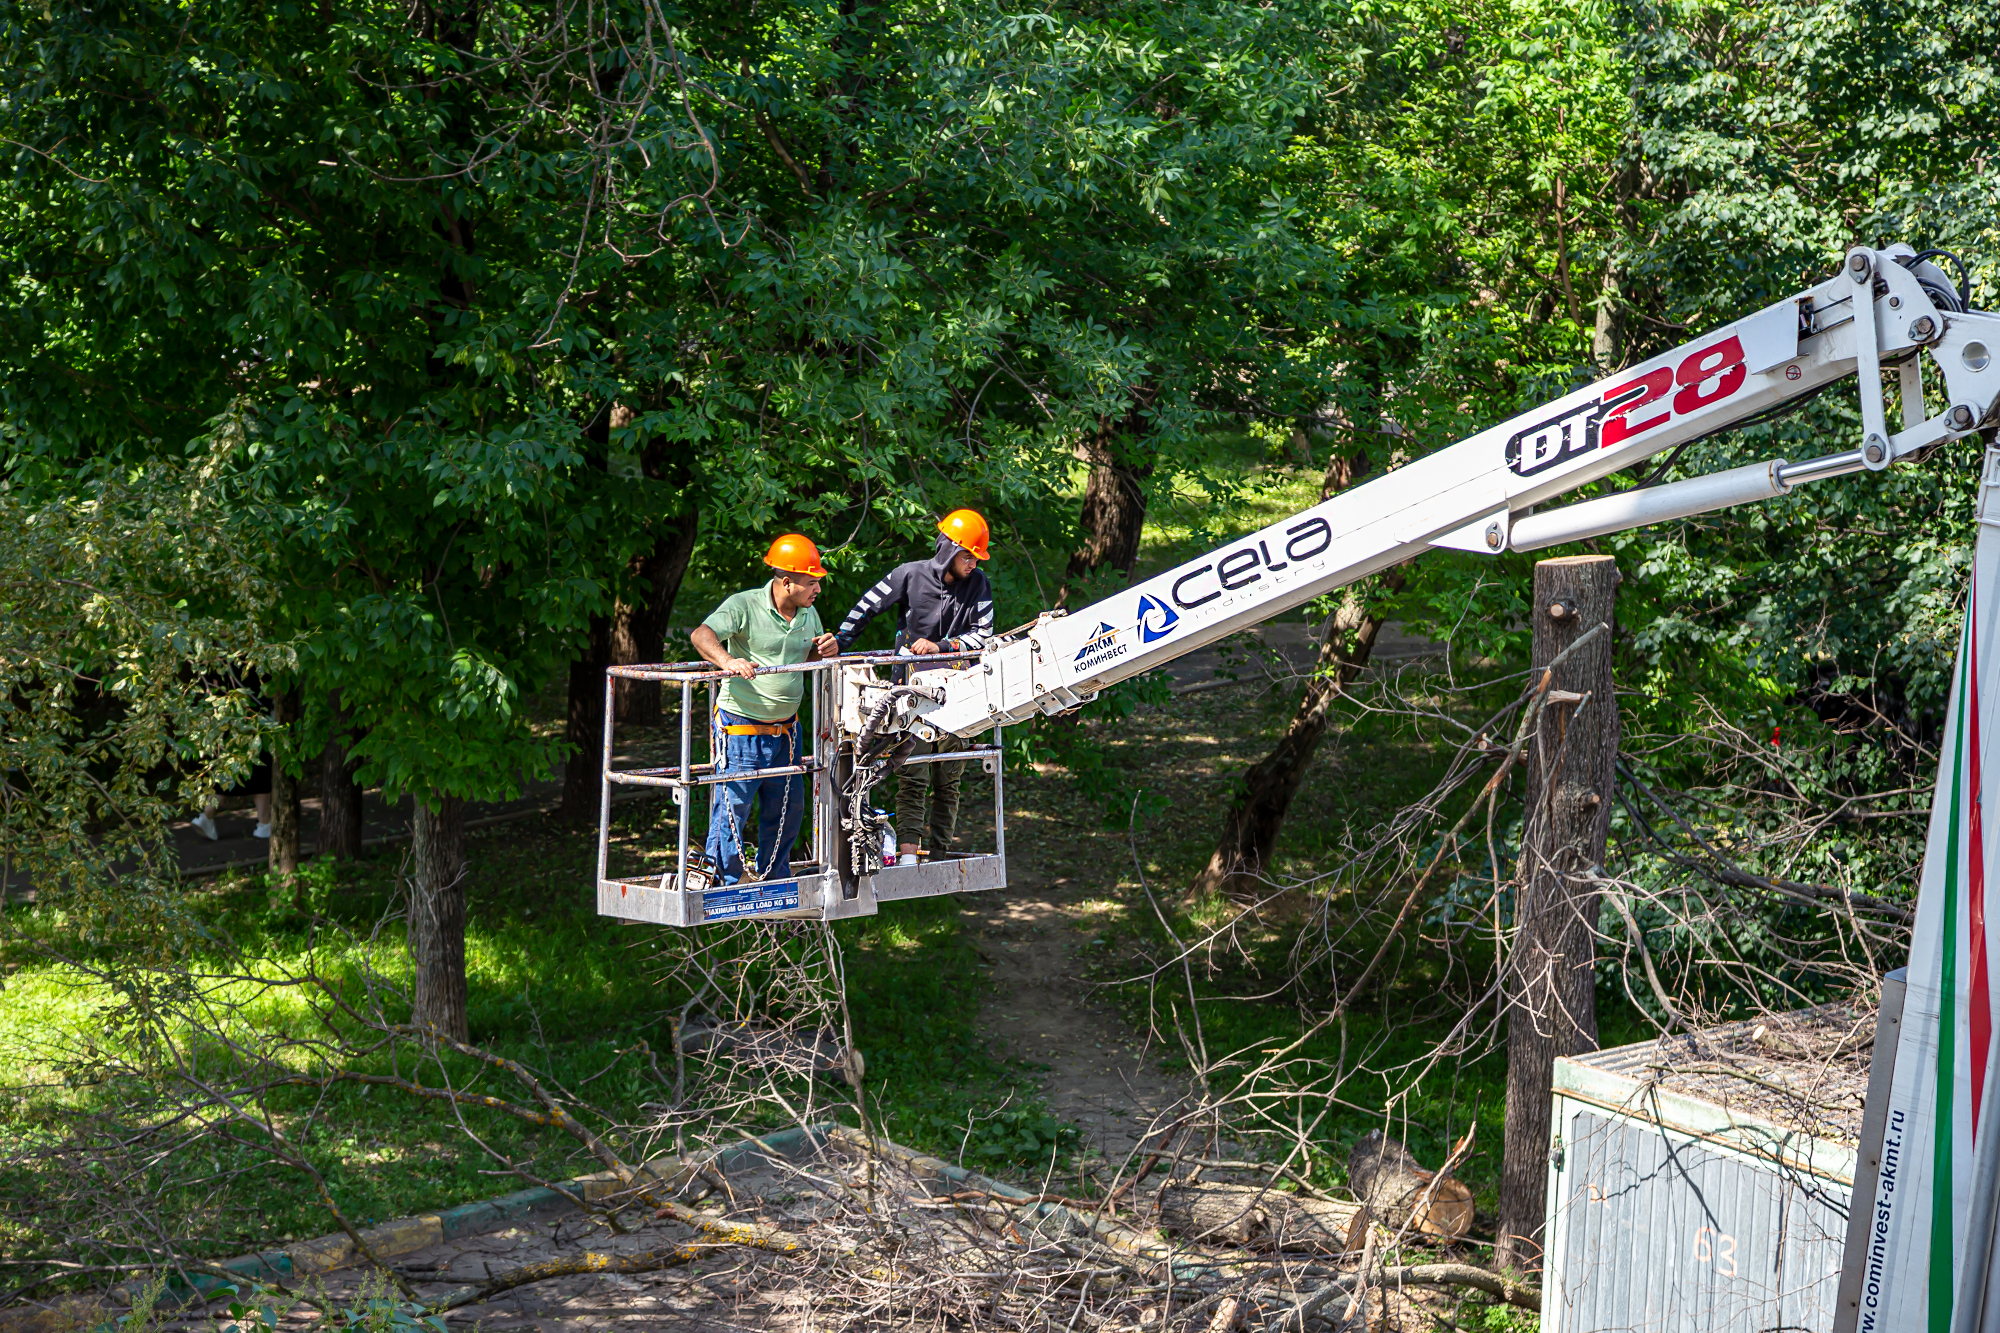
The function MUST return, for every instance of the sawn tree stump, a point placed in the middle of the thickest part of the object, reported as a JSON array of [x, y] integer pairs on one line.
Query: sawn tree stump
[[1256, 1217], [1400, 1192]]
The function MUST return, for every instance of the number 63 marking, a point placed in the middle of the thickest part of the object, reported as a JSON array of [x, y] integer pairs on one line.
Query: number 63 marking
[[1712, 1247]]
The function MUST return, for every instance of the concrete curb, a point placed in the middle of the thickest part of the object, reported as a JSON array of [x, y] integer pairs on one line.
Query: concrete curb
[[405, 1235], [384, 839]]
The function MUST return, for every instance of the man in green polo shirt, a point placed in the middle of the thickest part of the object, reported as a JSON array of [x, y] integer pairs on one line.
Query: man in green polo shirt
[[757, 716]]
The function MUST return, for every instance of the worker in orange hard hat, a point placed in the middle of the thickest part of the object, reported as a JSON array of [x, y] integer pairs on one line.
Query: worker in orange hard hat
[[795, 554], [943, 605], [757, 716], [967, 531]]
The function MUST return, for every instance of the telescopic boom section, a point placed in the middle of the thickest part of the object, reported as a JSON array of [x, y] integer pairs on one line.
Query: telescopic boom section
[[1885, 309]]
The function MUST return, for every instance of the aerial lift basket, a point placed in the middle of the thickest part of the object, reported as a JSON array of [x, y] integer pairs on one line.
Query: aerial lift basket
[[843, 874]]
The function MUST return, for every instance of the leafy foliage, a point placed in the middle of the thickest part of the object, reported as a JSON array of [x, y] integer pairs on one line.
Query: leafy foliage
[[134, 612], [501, 287], [458, 300], [1792, 658]]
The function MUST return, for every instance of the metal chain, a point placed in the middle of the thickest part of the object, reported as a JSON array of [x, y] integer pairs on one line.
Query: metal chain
[[753, 873]]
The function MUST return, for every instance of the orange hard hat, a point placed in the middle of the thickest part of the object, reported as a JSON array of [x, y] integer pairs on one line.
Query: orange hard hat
[[968, 529], [795, 555]]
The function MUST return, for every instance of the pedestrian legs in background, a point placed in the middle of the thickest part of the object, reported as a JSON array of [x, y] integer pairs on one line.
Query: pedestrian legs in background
[[927, 801], [258, 784], [258, 787], [780, 802]]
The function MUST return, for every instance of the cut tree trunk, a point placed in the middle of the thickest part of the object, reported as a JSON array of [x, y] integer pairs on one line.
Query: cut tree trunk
[[1399, 1192], [437, 916], [1550, 983], [1114, 505], [639, 630], [1256, 1217], [585, 729], [284, 849], [1263, 797], [339, 791]]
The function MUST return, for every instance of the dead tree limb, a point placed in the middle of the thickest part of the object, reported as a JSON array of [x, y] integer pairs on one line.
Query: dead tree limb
[[649, 1261], [1536, 699], [1722, 870]]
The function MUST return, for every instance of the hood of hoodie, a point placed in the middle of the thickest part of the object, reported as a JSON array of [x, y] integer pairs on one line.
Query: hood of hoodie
[[946, 550]]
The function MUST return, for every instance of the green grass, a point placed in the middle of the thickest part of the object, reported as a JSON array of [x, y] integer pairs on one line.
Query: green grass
[[1175, 764], [566, 991], [551, 984], [1242, 488]]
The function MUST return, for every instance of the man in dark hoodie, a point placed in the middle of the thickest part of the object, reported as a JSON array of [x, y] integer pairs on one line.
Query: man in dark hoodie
[[943, 605]]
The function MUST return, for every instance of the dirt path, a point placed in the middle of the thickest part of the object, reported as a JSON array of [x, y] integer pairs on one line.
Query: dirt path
[[1101, 1074], [1069, 880]]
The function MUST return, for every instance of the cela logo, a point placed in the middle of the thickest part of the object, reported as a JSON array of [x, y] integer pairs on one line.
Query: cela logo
[[1156, 619]]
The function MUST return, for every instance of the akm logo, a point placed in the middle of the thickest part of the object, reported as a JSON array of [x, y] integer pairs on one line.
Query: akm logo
[[1100, 647], [1156, 619]]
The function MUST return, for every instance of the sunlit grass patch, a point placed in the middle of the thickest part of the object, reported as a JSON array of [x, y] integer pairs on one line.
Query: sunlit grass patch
[[551, 984]]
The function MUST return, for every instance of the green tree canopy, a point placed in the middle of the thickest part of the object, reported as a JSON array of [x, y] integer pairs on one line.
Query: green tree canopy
[[133, 622]]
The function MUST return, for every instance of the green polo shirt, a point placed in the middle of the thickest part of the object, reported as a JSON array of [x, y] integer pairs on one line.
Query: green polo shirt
[[751, 628]]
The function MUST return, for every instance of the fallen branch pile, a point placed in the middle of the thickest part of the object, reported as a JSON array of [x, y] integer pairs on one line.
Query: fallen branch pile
[[869, 1231]]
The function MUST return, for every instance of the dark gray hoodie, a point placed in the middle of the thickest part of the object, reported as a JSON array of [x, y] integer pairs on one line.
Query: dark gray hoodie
[[955, 616]]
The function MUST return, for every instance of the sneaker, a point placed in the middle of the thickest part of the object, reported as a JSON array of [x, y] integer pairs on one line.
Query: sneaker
[[205, 826], [907, 859], [261, 831]]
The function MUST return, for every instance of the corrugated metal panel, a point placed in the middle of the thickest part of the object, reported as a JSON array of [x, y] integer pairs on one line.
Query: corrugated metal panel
[[1658, 1234]]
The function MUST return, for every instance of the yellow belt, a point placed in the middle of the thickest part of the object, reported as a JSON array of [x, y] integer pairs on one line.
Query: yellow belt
[[759, 728]]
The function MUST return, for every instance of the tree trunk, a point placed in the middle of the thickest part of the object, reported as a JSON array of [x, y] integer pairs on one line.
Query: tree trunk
[[582, 779], [284, 849], [1607, 339], [437, 916], [1114, 505], [339, 791], [639, 631], [1300, 441], [1550, 985], [1261, 800]]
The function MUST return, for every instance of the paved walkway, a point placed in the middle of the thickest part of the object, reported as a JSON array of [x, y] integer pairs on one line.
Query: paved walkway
[[1262, 653], [1283, 650], [381, 821]]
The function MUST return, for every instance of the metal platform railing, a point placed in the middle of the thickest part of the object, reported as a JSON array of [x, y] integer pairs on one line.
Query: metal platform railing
[[823, 885]]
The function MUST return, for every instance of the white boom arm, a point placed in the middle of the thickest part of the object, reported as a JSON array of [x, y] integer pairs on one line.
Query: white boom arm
[[1885, 307]]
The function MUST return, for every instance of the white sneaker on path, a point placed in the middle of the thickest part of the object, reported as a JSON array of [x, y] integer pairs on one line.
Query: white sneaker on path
[[205, 826]]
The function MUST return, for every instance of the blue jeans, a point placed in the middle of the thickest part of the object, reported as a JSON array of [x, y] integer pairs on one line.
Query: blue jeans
[[781, 801]]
